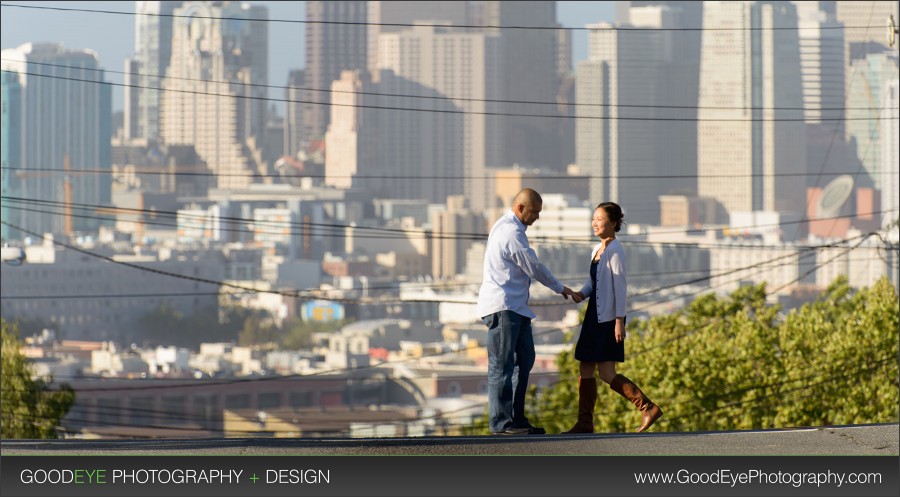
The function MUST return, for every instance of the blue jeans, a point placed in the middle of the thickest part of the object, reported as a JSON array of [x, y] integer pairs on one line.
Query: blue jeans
[[510, 359]]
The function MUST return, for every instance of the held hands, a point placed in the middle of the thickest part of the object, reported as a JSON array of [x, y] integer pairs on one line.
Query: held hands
[[576, 296]]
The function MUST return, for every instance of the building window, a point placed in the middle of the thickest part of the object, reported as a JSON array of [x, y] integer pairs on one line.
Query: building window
[[268, 400], [300, 399], [237, 401]]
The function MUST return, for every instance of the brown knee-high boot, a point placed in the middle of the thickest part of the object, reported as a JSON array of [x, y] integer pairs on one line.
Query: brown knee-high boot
[[626, 388], [587, 397]]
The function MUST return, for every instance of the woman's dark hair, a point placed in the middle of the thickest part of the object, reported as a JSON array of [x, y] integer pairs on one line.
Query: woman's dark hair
[[614, 213]]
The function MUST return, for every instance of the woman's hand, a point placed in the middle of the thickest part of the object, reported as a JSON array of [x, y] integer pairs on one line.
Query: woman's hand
[[620, 330]]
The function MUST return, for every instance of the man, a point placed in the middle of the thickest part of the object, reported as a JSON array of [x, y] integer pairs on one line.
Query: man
[[509, 266]]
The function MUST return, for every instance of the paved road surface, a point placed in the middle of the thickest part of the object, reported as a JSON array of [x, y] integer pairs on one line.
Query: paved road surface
[[881, 439]]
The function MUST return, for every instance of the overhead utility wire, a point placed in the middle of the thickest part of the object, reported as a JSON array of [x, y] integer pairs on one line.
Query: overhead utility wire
[[156, 171], [742, 390], [399, 232], [423, 285], [319, 294], [837, 127], [449, 111], [440, 97], [863, 237], [194, 382], [407, 25], [819, 378]]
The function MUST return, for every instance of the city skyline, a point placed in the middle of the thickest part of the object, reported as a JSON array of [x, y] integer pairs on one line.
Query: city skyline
[[107, 32]]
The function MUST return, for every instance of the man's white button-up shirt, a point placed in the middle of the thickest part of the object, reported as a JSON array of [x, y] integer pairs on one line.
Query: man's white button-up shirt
[[509, 266]]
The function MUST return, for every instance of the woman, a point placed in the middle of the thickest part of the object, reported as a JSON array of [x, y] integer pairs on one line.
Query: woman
[[602, 341]]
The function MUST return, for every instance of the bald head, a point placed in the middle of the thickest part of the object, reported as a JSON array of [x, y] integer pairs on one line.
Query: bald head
[[527, 197], [527, 206]]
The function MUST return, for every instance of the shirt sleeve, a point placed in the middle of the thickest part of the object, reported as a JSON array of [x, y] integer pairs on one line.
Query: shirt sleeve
[[525, 257], [617, 265]]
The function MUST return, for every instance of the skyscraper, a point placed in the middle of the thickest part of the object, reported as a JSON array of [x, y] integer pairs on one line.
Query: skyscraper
[[464, 67], [631, 155], [61, 117], [381, 14], [868, 79], [864, 22], [293, 116], [393, 153], [331, 47], [865, 26], [821, 39], [751, 155], [145, 72], [890, 155], [10, 146], [215, 92], [528, 72]]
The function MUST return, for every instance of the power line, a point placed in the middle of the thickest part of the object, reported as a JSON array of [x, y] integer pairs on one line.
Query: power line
[[438, 285], [450, 99], [551, 330], [837, 126], [816, 267], [322, 295], [368, 367], [193, 416], [309, 228], [445, 26], [156, 171], [450, 111]]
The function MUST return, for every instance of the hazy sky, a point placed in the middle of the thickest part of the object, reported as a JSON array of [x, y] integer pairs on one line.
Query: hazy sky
[[112, 35]]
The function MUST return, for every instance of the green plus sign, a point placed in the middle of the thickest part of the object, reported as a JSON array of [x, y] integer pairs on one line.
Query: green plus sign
[[254, 477]]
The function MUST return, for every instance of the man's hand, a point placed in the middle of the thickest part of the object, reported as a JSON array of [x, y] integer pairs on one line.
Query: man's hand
[[576, 296]]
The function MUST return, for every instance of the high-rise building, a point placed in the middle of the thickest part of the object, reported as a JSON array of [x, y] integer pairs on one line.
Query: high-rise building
[[60, 115], [527, 66], [145, 72], [631, 155], [890, 155], [563, 51], [865, 28], [751, 145], [10, 145], [293, 116], [821, 39], [448, 245], [863, 22], [868, 78], [462, 66], [389, 16], [393, 153], [335, 41], [215, 87]]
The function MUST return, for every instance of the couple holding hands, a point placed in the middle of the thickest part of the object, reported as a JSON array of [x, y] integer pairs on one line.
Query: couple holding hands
[[509, 266]]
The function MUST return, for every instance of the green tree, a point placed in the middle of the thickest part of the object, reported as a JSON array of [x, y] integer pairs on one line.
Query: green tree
[[29, 408], [258, 330], [167, 326], [736, 362]]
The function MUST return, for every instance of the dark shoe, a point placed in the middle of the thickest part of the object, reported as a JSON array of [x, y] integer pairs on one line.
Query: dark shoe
[[650, 412], [587, 397], [536, 430], [512, 430]]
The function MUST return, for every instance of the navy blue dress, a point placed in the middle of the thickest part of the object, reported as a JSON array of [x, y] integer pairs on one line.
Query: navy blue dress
[[597, 342]]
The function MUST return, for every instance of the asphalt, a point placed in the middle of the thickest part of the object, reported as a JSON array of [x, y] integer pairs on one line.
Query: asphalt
[[877, 439]]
